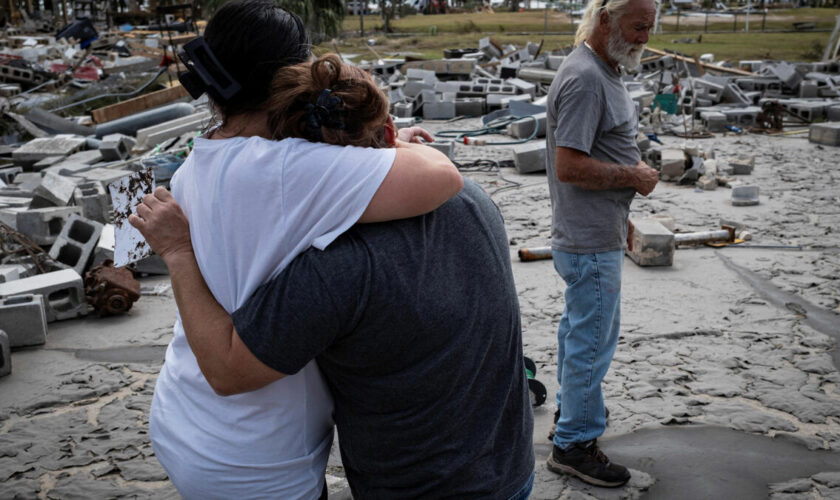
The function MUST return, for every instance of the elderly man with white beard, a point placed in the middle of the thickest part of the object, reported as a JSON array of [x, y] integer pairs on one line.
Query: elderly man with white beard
[[594, 170]]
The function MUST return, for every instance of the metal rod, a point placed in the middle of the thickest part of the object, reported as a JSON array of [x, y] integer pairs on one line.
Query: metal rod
[[702, 237]]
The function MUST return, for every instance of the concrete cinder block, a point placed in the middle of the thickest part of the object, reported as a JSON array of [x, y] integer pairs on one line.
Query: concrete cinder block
[[105, 247], [827, 133], [8, 174], [523, 87], [43, 225], [734, 94], [486, 46], [469, 106], [710, 90], [745, 195], [24, 319], [94, 201], [787, 74], [524, 127], [445, 147], [403, 109], [529, 157], [11, 272], [401, 122], [413, 87], [714, 121], [743, 165], [672, 163], [75, 244], [653, 244], [808, 89], [832, 113], [707, 183], [63, 291], [5, 355], [116, 147], [56, 189], [554, 62], [438, 110]]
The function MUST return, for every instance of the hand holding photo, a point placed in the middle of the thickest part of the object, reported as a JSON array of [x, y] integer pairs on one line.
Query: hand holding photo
[[126, 194]]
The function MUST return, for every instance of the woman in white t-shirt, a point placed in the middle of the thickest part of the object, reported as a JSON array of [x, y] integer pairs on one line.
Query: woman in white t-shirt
[[253, 204]]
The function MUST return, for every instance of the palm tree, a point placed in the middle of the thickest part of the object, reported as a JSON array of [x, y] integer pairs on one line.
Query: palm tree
[[322, 17]]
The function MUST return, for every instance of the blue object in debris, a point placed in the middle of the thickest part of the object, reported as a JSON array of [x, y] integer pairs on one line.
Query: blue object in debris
[[654, 138], [164, 165]]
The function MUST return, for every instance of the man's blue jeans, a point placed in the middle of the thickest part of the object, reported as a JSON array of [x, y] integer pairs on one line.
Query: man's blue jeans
[[586, 339]]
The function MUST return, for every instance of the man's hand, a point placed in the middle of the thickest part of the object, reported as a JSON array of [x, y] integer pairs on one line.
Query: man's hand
[[161, 221], [646, 178], [414, 134]]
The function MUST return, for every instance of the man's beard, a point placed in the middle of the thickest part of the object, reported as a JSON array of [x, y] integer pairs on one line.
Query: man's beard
[[624, 53]]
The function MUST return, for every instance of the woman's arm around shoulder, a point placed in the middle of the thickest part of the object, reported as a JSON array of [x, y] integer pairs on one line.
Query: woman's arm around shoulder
[[420, 180]]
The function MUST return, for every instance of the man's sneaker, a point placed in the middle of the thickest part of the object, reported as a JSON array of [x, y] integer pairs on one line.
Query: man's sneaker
[[557, 417], [589, 464]]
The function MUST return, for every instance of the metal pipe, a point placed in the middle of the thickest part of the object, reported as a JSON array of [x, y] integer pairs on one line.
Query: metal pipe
[[131, 124], [537, 253], [537, 75], [702, 237]]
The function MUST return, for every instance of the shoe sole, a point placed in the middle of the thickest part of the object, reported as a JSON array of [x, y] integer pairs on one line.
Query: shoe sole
[[565, 469]]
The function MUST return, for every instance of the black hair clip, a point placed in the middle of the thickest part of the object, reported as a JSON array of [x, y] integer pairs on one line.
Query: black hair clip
[[326, 112], [205, 72]]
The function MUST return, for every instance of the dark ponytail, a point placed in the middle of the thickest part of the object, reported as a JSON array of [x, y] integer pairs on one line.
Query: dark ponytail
[[252, 39]]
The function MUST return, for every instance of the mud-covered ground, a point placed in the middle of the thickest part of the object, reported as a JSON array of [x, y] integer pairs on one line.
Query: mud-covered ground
[[725, 381]]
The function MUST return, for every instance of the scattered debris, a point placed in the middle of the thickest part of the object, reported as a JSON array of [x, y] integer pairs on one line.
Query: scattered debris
[[111, 290]]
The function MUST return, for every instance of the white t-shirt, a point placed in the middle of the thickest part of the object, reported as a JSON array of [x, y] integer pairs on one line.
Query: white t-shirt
[[253, 205]]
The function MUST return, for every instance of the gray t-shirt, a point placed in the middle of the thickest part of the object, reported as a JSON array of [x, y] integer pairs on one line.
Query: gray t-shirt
[[415, 326], [590, 110]]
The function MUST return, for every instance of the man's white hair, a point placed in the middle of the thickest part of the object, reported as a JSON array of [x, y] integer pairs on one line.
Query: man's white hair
[[616, 9]]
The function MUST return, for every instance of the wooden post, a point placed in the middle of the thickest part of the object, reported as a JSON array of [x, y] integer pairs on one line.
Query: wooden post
[[678, 20]]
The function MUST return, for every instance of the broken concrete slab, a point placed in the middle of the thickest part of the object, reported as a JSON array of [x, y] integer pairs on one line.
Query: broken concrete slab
[[653, 244], [825, 133], [745, 195], [530, 157], [38, 149], [24, 319]]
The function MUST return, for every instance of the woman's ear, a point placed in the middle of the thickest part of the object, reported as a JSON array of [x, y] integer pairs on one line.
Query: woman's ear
[[390, 132]]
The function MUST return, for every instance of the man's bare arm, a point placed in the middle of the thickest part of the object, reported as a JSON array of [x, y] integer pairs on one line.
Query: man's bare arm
[[578, 168], [226, 362]]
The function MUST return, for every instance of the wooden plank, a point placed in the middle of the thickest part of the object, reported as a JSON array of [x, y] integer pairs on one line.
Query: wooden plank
[[138, 104], [710, 67]]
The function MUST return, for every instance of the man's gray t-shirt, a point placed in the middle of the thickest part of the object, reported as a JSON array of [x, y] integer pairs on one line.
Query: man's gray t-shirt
[[415, 326], [590, 110]]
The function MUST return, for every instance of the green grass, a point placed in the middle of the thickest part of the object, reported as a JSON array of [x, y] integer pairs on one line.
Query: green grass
[[427, 36], [534, 21], [732, 46]]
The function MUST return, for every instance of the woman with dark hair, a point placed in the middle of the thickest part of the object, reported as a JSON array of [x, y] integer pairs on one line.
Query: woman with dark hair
[[257, 191]]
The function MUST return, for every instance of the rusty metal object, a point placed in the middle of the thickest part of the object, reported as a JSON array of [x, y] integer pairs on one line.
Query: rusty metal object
[[111, 290], [537, 253], [12, 242], [726, 234]]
